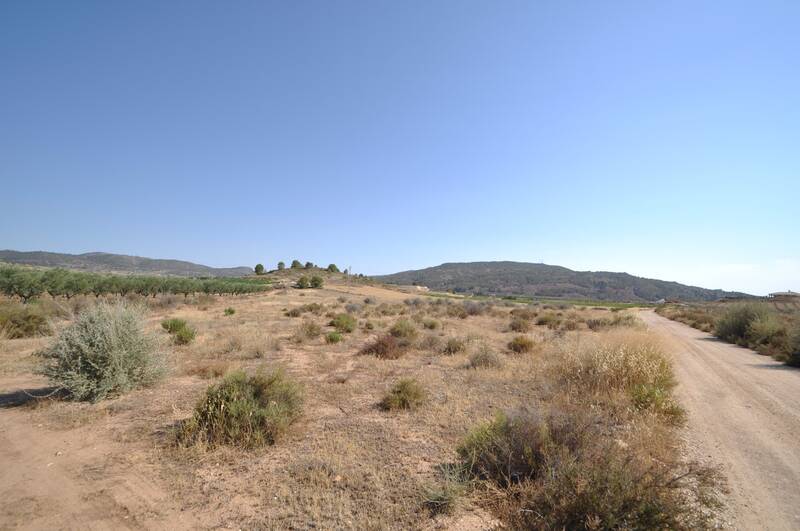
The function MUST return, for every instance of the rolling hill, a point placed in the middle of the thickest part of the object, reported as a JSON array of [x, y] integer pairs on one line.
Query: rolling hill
[[541, 280], [119, 263]]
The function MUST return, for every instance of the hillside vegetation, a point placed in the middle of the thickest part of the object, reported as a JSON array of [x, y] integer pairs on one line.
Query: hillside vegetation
[[541, 280], [119, 263]]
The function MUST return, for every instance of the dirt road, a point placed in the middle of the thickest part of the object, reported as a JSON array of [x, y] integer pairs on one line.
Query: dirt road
[[744, 415]]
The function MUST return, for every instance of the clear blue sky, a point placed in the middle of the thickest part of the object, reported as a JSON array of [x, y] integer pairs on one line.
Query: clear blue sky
[[658, 138]]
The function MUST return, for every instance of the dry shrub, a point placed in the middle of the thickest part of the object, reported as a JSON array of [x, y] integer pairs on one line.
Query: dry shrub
[[629, 362], [526, 314], [454, 345], [244, 411], [24, 320], [519, 325], [385, 347], [105, 352], [560, 470], [407, 393], [207, 371], [430, 324], [550, 320], [431, 342], [403, 330], [485, 358], [307, 330], [521, 344]]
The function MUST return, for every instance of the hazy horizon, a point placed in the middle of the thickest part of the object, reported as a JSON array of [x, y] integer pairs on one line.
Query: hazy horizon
[[657, 140]]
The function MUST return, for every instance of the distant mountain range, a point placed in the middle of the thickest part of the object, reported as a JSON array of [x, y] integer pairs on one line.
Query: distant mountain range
[[541, 280], [120, 263]]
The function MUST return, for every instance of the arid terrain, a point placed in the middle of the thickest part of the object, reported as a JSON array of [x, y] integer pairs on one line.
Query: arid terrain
[[349, 463]]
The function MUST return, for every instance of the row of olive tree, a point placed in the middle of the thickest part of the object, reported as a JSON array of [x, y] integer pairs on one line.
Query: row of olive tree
[[29, 284]]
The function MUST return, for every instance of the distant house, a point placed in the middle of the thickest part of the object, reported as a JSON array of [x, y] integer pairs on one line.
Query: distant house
[[784, 295]]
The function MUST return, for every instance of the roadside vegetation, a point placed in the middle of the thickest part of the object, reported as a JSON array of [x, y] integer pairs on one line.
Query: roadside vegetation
[[770, 328]]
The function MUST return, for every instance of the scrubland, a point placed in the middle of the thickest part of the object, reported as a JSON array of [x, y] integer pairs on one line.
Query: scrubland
[[347, 406]]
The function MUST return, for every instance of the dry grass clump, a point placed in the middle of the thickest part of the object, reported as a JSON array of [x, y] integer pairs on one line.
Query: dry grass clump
[[526, 314], [210, 370], [444, 496], [386, 347], [24, 320], [485, 358], [521, 344], [105, 352], [550, 320], [561, 469], [307, 330], [403, 330], [344, 323], [618, 320], [314, 308], [519, 325], [244, 411], [628, 362], [407, 393], [454, 345], [430, 324], [431, 342]]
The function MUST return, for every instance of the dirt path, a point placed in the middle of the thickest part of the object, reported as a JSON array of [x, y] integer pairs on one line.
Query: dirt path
[[743, 415]]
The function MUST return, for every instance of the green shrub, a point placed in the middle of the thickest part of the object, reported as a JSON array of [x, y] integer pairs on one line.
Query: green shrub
[[259, 269], [333, 337], [793, 349], [229, 311], [767, 331], [302, 282], [245, 411], [521, 344], [403, 329], [386, 347], [454, 345], [316, 282], [407, 393], [184, 335], [344, 323], [734, 324], [23, 320], [173, 325], [105, 352]]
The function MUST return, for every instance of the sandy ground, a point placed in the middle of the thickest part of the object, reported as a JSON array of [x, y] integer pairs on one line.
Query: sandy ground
[[743, 415]]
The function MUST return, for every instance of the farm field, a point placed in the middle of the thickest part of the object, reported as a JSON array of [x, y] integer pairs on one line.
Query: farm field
[[365, 451]]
